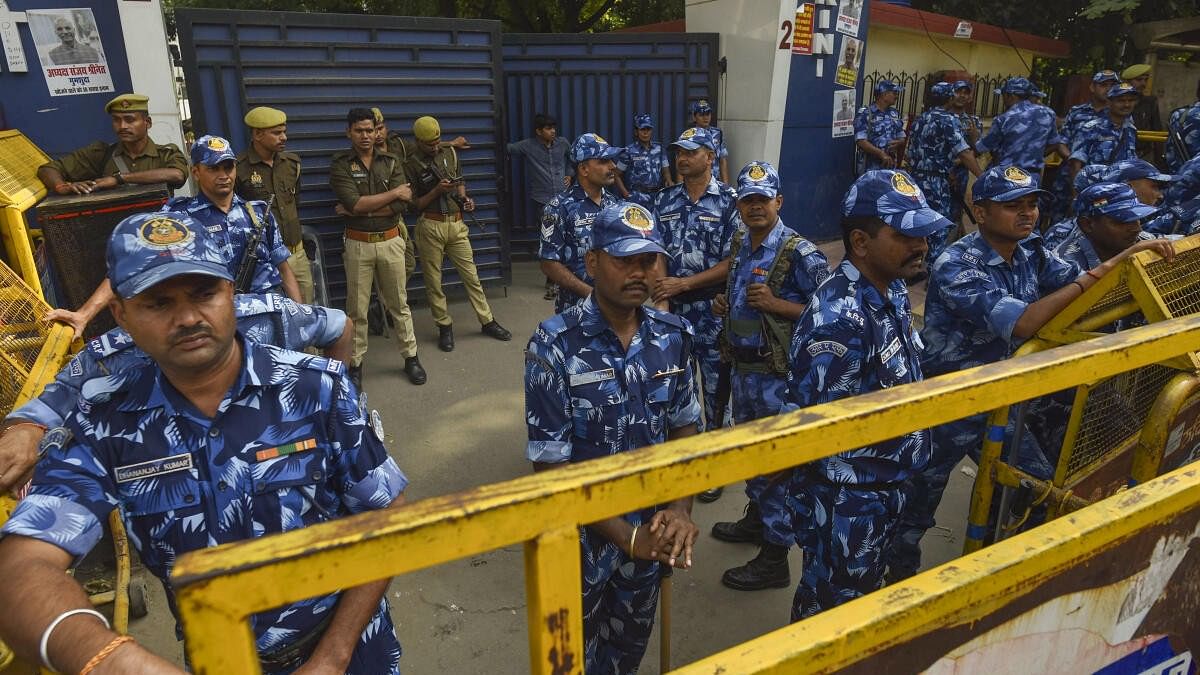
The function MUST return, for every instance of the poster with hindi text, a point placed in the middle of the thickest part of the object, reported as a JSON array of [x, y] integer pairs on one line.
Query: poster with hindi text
[[69, 51]]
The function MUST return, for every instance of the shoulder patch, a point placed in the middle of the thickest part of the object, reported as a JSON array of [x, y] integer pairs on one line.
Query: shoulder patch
[[666, 317], [826, 347], [967, 275], [112, 342]]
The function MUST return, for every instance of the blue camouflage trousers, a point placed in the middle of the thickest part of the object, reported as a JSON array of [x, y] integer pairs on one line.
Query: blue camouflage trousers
[[961, 176], [758, 395], [951, 443], [845, 531], [707, 355], [619, 598], [937, 194]]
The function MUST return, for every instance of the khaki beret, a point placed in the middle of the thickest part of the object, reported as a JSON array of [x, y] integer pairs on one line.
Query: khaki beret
[[1136, 70], [128, 103], [263, 117], [427, 129]]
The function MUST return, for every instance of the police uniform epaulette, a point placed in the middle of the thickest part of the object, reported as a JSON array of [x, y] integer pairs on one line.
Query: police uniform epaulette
[[343, 155], [667, 318], [254, 304], [174, 202], [559, 323], [290, 156], [112, 342]]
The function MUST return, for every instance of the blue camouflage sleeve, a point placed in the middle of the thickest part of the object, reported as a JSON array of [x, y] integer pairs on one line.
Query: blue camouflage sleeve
[[547, 402], [974, 297], [860, 125], [993, 138], [58, 398], [663, 162], [954, 136], [307, 326], [809, 268], [622, 161], [367, 478], [827, 362], [1056, 272], [272, 243], [70, 498], [553, 241], [684, 408]]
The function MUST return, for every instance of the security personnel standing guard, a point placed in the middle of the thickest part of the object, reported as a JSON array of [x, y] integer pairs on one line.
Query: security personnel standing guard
[[960, 106], [937, 141], [133, 159], [1110, 138], [772, 275], [441, 198], [989, 292], [371, 186], [697, 217], [567, 219], [611, 347], [1022, 134], [1102, 81], [702, 119], [857, 336], [643, 165], [879, 129], [265, 169], [281, 430], [1183, 133]]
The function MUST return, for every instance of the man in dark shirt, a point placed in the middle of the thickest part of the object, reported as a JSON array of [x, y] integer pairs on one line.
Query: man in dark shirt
[[546, 171]]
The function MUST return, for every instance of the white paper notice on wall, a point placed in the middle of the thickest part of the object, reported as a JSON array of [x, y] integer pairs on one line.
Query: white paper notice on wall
[[10, 39], [963, 30]]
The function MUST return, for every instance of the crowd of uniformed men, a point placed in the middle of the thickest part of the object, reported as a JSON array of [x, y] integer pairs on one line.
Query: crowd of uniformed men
[[682, 303]]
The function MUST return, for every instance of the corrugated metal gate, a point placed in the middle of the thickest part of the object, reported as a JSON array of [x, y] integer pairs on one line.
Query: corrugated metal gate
[[597, 83], [315, 67]]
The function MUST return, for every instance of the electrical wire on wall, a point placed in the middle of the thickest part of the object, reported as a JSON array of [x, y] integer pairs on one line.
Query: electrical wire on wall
[[921, 16]]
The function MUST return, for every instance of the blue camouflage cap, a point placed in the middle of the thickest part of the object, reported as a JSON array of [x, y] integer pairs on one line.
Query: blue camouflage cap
[[211, 151], [942, 89], [1037, 93], [758, 178], [694, 138], [701, 106], [624, 229], [1115, 200], [1090, 175], [1123, 89], [592, 146], [643, 121], [894, 198], [1016, 85], [963, 84], [887, 85], [149, 248], [1004, 184], [1103, 76], [1133, 169]]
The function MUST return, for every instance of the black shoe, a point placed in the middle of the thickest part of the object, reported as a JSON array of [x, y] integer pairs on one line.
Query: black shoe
[[748, 530], [356, 377], [446, 338], [768, 569], [412, 367], [495, 330], [710, 496]]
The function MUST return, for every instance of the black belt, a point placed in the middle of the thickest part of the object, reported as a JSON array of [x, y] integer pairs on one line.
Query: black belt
[[820, 477], [291, 656], [749, 354]]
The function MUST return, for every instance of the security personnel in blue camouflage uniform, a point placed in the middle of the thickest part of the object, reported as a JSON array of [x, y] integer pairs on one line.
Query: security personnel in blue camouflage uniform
[[879, 129], [1088, 175], [1101, 82], [989, 292], [567, 219], [936, 142], [697, 218], [1022, 134], [1149, 184], [773, 273], [702, 119], [857, 336], [1109, 138], [1183, 129], [218, 440], [962, 96], [643, 165], [1184, 196], [611, 375]]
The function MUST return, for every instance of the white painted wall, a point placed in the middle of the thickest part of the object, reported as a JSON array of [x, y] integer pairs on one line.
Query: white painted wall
[[753, 94], [150, 69]]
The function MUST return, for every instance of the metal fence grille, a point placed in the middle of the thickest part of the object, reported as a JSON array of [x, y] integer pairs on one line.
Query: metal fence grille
[[1176, 282], [19, 161], [913, 99], [22, 334]]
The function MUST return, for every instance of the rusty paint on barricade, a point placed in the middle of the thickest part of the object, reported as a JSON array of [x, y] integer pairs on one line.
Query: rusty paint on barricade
[[228, 583], [1118, 576]]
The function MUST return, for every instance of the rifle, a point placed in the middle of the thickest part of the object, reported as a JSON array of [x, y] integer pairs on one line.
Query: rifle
[[1176, 140], [442, 175], [249, 261]]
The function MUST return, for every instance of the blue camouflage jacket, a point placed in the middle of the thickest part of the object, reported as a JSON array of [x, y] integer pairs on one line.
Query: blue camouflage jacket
[[643, 166], [233, 231], [696, 234], [722, 151], [1099, 141], [567, 234], [878, 127], [1019, 136], [586, 396], [289, 447], [975, 298], [851, 340], [1076, 117], [1185, 122], [937, 140]]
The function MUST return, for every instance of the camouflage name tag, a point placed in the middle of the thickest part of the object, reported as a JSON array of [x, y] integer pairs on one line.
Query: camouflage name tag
[[594, 376], [154, 467]]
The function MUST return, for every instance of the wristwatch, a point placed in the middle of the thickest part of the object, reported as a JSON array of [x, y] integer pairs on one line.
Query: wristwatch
[[117, 176]]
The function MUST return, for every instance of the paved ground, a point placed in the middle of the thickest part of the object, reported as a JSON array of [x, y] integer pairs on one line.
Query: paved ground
[[465, 427]]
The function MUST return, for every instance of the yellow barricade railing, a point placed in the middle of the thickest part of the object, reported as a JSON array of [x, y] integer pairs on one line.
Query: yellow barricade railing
[[20, 190], [219, 588]]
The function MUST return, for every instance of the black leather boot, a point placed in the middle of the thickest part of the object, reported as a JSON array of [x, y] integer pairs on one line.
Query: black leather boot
[[446, 338], [768, 569], [748, 530], [412, 368]]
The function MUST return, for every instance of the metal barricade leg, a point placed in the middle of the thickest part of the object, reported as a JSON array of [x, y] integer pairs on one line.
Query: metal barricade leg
[[554, 601]]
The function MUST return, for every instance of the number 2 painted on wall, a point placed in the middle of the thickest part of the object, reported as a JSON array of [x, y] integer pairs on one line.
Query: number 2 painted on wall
[[786, 27]]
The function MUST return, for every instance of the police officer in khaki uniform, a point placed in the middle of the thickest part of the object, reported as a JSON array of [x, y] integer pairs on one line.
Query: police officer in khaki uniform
[[133, 159], [266, 169], [391, 142], [441, 199], [371, 187]]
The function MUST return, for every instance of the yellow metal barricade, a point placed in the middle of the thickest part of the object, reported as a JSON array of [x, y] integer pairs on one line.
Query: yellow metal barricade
[[219, 588], [20, 190], [1119, 424]]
